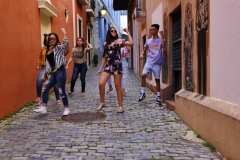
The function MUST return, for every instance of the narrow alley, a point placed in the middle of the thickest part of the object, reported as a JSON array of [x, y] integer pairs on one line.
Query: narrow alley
[[144, 131]]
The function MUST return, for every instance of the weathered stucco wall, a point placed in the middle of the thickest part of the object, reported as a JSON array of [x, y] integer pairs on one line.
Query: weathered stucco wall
[[20, 47], [216, 121], [224, 50], [21, 43]]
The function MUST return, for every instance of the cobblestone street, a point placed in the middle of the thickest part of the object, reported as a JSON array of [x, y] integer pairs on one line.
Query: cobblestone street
[[144, 131]]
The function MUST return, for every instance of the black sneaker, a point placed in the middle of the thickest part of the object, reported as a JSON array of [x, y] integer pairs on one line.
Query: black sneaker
[[158, 100], [142, 96]]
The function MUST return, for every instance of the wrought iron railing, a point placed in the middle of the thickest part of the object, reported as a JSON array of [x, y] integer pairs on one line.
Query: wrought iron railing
[[91, 5]]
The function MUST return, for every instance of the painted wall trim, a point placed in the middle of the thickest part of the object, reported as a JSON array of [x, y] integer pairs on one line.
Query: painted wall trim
[[79, 17], [74, 22]]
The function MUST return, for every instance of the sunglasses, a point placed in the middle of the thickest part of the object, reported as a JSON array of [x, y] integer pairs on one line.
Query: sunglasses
[[52, 39], [113, 31]]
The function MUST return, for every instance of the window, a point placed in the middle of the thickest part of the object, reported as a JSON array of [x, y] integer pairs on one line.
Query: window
[[79, 26]]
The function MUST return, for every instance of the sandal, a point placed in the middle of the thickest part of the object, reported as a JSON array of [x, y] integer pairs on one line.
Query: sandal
[[120, 110], [101, 106], [70, 93], [109, 90], [83, 94]]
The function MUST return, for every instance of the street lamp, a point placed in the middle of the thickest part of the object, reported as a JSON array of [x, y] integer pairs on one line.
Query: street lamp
[[103, 11], [101, 14]]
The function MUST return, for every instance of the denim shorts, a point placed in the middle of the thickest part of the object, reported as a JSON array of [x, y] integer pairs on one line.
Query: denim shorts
[[156, 69]]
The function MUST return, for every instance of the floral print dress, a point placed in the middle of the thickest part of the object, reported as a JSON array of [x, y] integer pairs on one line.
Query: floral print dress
[[113, 58]]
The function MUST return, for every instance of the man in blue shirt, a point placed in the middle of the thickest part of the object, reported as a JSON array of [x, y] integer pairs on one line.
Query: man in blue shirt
[[154, 61]]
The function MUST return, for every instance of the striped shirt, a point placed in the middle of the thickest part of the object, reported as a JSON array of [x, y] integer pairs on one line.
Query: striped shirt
[[59, 52]]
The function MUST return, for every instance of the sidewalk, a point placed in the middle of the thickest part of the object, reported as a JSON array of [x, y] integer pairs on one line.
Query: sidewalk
[[143, 131]]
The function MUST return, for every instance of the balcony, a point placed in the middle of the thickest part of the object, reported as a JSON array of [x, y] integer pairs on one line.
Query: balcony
[[90, 9], [83, 2], [141, 16], [141, 11], [121, 4], [47, 8]]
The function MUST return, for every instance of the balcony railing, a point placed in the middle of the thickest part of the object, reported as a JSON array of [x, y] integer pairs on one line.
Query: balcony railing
[[141, 10], [83, 2], [91, 8]]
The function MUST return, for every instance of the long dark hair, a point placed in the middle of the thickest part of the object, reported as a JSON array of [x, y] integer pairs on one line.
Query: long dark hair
[[83, 46], [45, 42], [57, 40], [109, 37]]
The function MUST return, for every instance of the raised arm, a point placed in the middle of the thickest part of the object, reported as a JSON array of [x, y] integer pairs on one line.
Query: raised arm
[[128, 48], [89, 47], [64, 33], [162, 39], [69, 60], [129, 42], [65, 46]]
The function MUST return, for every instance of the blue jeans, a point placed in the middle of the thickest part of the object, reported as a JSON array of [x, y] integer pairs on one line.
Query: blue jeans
[[156, 69], [59, 77], [82, 69], [40, 82]]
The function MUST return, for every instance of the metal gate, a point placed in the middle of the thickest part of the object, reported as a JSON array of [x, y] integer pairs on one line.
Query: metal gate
[[176, 54]]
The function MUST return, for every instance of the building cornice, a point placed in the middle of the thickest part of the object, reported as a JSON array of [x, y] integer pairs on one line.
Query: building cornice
[[47, 8]]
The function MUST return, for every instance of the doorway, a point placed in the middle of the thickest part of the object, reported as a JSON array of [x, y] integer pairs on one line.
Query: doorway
[[176, 51]]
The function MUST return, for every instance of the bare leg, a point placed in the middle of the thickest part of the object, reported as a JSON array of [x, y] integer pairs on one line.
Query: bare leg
[[109, 81], [143, 83], [157, 84], [117, 81], [102, 82]]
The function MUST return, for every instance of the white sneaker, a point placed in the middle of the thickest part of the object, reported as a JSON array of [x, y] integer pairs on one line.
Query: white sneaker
[[41, 110], [66, 112]]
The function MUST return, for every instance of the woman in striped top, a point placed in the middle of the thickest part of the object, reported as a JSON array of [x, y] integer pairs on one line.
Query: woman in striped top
[[41, 66], [55, 62]]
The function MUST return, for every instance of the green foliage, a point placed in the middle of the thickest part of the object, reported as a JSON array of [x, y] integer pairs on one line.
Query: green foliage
[[18, 111], [197, 134], [206, 144]]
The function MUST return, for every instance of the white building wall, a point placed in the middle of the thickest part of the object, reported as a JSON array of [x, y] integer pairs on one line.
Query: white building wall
[[135, 46], [225, 50], [157, 16]]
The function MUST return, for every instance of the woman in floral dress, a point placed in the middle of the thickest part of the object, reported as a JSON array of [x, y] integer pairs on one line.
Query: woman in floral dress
[[112, 64]]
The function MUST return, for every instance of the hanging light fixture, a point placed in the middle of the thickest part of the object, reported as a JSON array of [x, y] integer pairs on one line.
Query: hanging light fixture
[[103, 11], [101, 14]]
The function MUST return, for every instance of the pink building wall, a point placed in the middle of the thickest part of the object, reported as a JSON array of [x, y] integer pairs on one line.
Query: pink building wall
[[225, 50]]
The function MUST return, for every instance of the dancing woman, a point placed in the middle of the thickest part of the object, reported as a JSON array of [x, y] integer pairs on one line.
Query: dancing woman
[[79, 54], [55, 67], [112, 63]]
